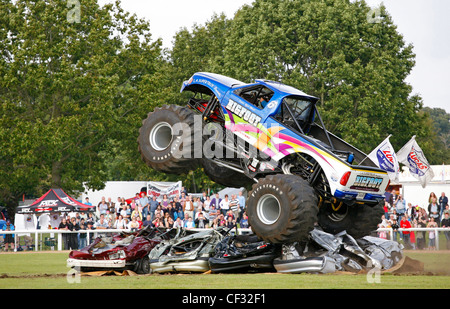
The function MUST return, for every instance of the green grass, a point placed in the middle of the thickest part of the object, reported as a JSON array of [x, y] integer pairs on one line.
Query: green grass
[[48, 271]]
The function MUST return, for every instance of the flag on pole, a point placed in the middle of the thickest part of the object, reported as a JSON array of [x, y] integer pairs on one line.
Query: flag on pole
[[412, 156], [384, 157]]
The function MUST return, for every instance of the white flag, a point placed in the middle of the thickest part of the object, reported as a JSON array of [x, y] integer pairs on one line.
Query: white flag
[[412, 156], [384, 157]]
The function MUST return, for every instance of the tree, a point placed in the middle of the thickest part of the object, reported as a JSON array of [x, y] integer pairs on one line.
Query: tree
[[331, 49], [440, 122], [72, 77]]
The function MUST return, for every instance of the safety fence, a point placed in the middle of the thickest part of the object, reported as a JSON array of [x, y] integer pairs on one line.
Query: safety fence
[[53, 240]]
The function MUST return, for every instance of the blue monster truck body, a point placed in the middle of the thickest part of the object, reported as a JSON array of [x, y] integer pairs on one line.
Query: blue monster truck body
[[301, 173]]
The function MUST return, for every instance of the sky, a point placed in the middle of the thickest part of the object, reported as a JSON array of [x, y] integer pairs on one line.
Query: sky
[[423, 23]]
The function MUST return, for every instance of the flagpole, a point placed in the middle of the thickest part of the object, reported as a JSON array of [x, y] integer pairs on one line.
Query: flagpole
[[368, 155]]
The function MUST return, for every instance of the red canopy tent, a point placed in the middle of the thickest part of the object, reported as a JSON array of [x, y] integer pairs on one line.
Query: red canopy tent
[[55, 200]]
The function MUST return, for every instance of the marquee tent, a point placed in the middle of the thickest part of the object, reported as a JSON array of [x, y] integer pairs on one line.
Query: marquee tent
[[55, 200]]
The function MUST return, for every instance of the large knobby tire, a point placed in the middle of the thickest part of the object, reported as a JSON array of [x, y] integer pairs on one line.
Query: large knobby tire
[[167, 140], [225, 176], [358, 220], [282, 208]]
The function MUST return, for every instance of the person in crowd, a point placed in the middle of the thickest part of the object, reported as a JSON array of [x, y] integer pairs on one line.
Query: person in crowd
[[231, 222], [87, 202], [147, 221], [445, 223], [178, 209], [73, 237], [400, 206], [242, 201], [136, 213], [189, 207], [134, 224], [178, 223], [224, 205], [120, 224], [143, 201], [8, 239], [430, 198], [388, 197], [63, 225], [165, 202], [111, 206], [235, 207], [82, 239], [434, 210], [383, 224], [101, 224], [102, 206], [216, 201], [189, 224], [432, 234], [443, 202], [405, 224], [169, 223], [421, 223], [243, 223], [213, 212], [153, 205], [206, 203], [201, 222], [158, 220]]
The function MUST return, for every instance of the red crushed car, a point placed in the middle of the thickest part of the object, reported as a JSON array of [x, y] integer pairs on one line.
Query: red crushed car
[[121, 251]]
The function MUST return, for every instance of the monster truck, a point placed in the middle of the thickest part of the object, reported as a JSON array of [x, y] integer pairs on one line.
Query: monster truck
[[270, 138]]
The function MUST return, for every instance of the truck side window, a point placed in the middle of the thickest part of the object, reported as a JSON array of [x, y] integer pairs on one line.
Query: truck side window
[[257, 95]]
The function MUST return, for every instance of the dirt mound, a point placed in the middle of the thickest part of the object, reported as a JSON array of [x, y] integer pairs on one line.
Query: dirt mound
[[407, 265]]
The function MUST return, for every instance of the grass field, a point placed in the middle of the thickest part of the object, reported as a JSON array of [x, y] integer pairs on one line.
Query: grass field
[[47, 270]]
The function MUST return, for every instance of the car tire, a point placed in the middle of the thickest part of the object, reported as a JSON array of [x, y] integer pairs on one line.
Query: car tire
[[167, 140], [143, 266], [282, 208]]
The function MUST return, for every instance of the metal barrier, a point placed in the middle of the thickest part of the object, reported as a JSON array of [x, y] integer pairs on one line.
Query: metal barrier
[[88, 232], [103, 231], [417, 229]]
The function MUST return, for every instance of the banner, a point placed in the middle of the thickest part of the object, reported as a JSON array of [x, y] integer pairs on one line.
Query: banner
[[158, 189], [384, 157], [412, 156]]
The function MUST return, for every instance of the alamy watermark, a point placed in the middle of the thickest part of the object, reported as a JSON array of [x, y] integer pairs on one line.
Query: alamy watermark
[[374, 16], [74, 13]]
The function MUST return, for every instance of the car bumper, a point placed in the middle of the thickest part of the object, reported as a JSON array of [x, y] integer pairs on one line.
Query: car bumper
[[321, 265], [96, 263]]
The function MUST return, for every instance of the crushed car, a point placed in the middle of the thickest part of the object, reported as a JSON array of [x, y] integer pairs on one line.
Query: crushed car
[[244, 253], [121, 251], [328, 253], [189, 251]]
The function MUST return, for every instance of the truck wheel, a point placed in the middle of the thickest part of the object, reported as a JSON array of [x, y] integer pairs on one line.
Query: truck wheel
[[166, 140], [282, 208], [225, 176], [358, 220]]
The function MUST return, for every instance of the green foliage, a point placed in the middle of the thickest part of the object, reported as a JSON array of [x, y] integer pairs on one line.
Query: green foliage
[[66, 87], [73, 92]]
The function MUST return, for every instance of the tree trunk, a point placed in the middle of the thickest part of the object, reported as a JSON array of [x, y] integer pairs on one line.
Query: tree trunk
[[56, 174]]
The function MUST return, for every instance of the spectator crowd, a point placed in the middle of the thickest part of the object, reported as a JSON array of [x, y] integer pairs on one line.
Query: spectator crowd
[[186, 211], [398, 214], [204, 211]]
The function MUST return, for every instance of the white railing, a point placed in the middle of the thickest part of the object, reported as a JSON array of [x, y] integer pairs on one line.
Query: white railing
[[53, 233], [417, 229], [103, 231]]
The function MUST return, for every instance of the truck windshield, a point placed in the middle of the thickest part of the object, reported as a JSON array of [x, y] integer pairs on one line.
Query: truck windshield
[[301, 108]]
